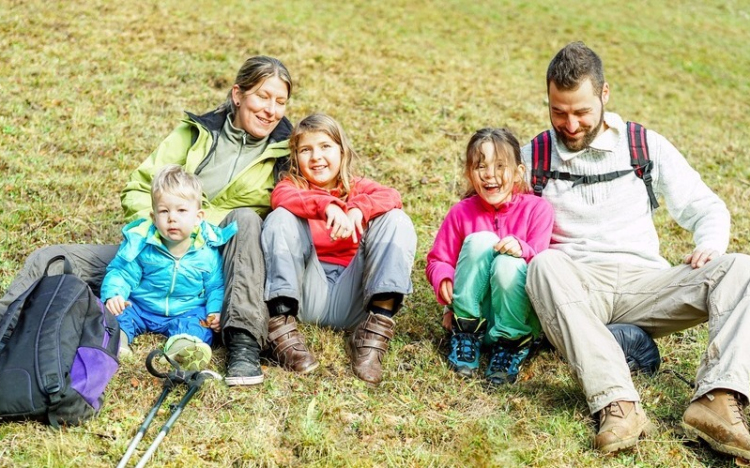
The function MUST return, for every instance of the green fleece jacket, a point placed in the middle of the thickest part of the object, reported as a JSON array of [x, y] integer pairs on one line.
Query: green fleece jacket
[[189, 145]]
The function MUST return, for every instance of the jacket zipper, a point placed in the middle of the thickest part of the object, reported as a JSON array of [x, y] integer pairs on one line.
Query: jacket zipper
[[171, 286]]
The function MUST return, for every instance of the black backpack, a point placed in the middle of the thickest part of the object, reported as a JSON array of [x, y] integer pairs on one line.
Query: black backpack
[[541, 156], [58, 351]]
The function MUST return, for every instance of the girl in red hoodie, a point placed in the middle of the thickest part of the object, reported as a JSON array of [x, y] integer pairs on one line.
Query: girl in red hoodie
[[338, 251]]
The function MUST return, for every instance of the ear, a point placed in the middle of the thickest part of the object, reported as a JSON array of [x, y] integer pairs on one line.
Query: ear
[[605, 93], [236, 93], [199, 216], [153, 218], [520, 172]]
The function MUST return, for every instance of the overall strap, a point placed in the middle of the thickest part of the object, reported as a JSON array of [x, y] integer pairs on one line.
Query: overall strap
[[639, 158], [541, 156]]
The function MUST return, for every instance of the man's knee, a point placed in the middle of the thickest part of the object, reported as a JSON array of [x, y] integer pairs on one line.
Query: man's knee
[[544, 264]]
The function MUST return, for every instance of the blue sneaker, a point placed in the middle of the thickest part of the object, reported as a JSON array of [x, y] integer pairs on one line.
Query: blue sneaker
[[464, 354], [507, 358]]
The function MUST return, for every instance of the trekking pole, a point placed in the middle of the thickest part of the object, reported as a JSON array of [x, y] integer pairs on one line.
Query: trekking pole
[[194, 384], [176, 376], [146, 423]]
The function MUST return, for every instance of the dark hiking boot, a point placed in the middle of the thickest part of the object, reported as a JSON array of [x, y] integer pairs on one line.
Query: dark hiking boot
[[507, 359], [288, 345], [243, 358], [466, 341]]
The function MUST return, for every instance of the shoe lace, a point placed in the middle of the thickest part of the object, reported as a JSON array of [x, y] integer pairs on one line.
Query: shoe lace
[[738, 408], [504, 359], [464, 346]]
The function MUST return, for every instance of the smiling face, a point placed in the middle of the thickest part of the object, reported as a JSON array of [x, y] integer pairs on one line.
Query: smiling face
[[577, 115], [319, 159], [494, 176], [260, 109], [175, 218]]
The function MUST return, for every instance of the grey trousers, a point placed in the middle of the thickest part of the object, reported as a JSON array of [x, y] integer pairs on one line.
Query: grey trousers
[[331, 295], [574, 302], [244, 272]]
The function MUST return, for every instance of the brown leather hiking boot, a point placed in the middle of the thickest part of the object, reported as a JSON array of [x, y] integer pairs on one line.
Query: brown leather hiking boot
[[718, 418], [288, 345], [621, 423], [368, 344]]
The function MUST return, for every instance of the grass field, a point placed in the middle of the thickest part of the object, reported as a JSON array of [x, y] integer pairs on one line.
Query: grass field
[[88, 89]]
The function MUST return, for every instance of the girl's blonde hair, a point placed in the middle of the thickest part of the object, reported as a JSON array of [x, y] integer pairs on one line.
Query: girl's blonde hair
[[322, 123], [173, 179], [505, 146]]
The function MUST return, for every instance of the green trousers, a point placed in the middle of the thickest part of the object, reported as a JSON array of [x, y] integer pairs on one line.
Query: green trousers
[[492, 286]]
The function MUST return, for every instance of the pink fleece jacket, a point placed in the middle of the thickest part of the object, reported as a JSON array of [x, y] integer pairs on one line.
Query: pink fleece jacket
[[526, 217], [370, 197]]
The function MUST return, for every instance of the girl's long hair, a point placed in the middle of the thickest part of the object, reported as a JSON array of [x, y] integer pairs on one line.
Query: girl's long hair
[[506, 146], [322, 123]]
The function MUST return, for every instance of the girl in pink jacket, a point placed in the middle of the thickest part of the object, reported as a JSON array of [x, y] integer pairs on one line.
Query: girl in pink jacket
[[338, 251], [477, 265]]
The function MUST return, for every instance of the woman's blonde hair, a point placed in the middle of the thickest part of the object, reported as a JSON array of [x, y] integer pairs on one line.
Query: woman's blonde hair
[[505, 146], [322, 123]]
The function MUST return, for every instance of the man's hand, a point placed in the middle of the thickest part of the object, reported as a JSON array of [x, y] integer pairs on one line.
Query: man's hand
[[700, 257]]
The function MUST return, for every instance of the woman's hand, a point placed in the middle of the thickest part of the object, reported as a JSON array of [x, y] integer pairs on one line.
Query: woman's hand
[[115, 305], [338, 222], [510, 246], [355, 217]]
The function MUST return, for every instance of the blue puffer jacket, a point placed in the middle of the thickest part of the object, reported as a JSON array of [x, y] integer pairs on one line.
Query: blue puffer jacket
[[145, 273]]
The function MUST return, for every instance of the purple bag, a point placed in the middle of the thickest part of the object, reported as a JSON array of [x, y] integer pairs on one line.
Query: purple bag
[[58, 352]]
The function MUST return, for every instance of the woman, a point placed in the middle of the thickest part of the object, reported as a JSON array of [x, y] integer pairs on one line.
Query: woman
[[237, 151]]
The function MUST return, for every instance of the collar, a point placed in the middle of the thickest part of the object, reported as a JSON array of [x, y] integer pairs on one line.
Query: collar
[[238, 136], [605, 141]]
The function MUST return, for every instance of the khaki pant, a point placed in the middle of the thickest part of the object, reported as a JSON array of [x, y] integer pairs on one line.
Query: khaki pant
[[244, 273], [574, 302]]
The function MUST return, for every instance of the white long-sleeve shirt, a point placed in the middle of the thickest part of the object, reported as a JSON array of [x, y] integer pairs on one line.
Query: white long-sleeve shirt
[[612, 221]]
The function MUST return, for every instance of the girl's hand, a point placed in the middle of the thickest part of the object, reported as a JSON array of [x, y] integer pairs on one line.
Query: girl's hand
[[510, 246], [115, 305], [446, 291], [700, 257], [448, 320], [355, 217], [338, 222]]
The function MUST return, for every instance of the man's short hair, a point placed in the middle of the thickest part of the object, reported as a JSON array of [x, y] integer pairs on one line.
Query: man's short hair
[[173, 179], [572, 65]]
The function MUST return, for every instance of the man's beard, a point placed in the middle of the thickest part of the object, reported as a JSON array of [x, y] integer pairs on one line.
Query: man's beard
[[590, 133]]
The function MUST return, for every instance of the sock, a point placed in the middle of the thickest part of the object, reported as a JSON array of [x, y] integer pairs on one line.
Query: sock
[[381, 311], [282, 306]]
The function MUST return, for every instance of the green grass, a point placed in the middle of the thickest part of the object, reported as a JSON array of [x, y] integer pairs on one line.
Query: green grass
[[90, 88]]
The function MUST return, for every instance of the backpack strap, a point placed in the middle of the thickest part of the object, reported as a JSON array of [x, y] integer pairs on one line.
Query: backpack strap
[[639, 158], [10, 319], [541, 157]]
